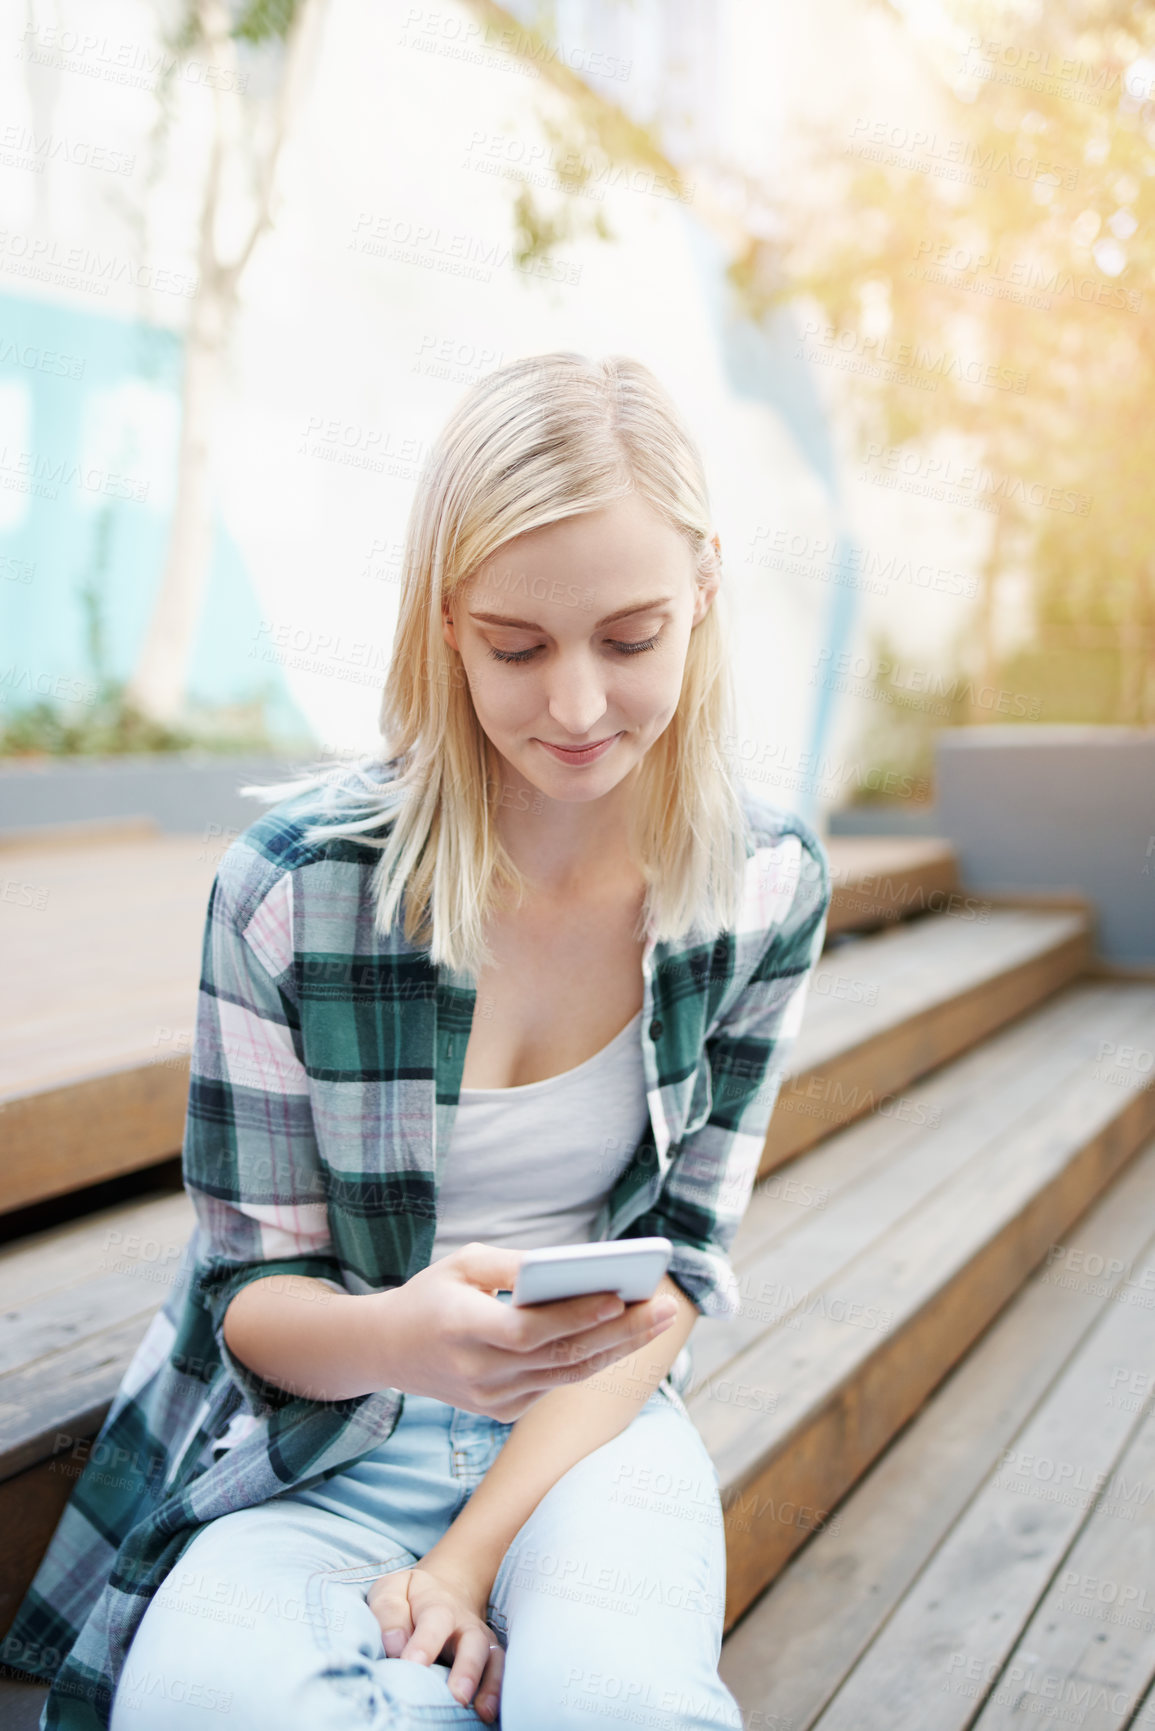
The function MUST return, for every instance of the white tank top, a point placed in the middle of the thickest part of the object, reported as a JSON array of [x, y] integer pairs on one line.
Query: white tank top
[[531, 1166]]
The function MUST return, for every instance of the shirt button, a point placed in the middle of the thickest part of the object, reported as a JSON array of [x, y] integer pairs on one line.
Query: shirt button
[[655, 1029]]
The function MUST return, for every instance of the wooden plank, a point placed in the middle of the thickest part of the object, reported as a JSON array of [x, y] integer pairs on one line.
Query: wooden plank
[[1090, 1645], [994, 1091], [103, 943], [83, 833], [68, 1397], [800, 1641], [878, 879], [844, 1066], [931, 1666], [841, 1391], [31, 1336], [69, 1136], [871, 984], [823, 1172], [61, 1258]]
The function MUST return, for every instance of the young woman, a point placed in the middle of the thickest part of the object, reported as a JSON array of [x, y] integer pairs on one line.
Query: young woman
[[528, 979]]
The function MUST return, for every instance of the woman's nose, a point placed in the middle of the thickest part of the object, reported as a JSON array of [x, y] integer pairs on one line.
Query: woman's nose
[[577, 696]]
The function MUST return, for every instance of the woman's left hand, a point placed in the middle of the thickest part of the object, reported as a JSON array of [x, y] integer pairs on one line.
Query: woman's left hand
[[427, 1615]]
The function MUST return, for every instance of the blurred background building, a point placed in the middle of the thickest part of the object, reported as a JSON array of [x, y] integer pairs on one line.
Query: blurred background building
[[893, 262]]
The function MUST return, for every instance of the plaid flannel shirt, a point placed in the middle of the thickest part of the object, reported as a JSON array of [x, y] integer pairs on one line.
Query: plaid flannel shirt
[[325, 1073]]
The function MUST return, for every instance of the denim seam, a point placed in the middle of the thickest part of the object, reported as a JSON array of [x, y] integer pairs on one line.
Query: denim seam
[[316, 1588]]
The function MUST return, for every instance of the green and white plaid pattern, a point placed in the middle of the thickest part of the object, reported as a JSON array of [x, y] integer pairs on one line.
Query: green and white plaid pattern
[[325, 1073]]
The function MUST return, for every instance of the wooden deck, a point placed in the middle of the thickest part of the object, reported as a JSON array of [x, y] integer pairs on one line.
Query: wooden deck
[[102, 942], [880, 879], [958, 1099], [102, 933], [996, 1568]]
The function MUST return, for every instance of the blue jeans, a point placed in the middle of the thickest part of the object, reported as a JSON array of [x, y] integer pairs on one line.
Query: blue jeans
[[609, 1601]]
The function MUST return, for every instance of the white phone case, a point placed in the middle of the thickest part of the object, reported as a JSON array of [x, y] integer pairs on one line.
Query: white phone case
[[631, 1267]]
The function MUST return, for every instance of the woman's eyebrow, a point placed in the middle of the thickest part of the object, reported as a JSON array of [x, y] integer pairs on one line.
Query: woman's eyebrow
[[531, 625]]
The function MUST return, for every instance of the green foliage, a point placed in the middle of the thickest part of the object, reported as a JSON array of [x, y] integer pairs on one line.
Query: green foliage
[[908, 706], [1021, 239], [111, 727], [265, 20]]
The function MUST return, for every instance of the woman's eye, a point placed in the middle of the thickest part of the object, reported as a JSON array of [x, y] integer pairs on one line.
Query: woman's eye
[[614, 643]]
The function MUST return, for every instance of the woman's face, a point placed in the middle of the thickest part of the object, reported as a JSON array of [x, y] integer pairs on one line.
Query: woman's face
[[573, 639]]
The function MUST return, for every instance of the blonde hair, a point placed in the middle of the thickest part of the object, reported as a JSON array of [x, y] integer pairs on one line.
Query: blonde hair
[[542, 439]]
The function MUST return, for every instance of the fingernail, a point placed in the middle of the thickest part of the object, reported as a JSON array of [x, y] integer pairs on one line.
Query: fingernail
[[396, 1638], [667, 1311]]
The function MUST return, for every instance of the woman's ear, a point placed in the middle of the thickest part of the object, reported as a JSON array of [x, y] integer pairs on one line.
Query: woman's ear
[[708, 580], [447, 630]]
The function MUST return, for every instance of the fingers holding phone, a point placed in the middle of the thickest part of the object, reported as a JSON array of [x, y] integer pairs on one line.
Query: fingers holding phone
[[450, 1338]]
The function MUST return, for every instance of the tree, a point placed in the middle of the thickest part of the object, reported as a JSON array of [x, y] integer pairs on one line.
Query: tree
[[995, 274], [158, 685]]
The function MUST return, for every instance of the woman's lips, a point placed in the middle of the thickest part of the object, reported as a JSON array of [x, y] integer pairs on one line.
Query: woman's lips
[[584, 753]]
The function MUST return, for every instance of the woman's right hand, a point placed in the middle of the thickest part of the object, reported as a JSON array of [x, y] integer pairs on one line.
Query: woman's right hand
[[444, 1333]]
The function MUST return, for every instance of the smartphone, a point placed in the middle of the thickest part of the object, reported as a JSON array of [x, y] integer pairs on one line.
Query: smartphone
[[631, 1267]]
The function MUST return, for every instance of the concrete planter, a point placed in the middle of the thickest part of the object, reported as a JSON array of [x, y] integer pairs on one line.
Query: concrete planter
[[1057, 809], [184, 792]]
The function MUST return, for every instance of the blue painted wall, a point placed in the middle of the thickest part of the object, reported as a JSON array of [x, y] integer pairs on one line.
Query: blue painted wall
[[61, 361]]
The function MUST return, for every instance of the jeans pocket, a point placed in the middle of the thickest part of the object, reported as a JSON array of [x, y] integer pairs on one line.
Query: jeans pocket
[[327, 1615]]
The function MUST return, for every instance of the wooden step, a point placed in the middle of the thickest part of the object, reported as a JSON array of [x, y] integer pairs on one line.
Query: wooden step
[[102, 927], [102, 944], [884, 1010], [866, 1270], [903, 1247], [75, 1302], [963, 1555], [877, 880]]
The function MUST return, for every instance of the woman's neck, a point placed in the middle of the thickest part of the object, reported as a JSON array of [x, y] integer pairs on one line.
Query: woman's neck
[[565, 845]]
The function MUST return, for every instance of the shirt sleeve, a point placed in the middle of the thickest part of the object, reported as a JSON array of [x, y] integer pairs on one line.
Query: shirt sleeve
[[707, 1186], [250, 1157]]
